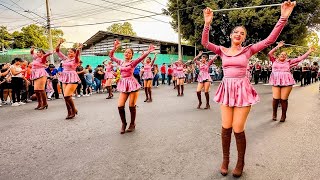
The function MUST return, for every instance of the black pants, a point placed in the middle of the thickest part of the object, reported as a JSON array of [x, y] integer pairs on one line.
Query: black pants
[[1, 93], [17, 85], [256, 78], [84, 87], [169, 79], [303, 78], [55, 88], [137, 76], [163, 78]]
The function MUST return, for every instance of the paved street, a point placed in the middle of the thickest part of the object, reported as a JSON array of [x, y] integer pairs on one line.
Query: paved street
[[173, 139]]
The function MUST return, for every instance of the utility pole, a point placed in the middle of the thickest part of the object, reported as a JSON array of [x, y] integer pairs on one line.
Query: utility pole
[[49, 31], [179, 33]]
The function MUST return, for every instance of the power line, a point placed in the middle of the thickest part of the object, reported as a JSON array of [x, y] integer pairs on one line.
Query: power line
[[159, 3], [129, 7], [27, 10], [107, 22], [20, 13], [121, 11]]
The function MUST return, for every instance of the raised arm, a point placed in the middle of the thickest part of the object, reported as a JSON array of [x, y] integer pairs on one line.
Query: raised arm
[[196, 59], [271, 53], [286, 9], [59, 53], [294, 62], [44, 58], [111, 54], [212, 60], [144, 55], [154, 59], [208, 16], [32, 53]]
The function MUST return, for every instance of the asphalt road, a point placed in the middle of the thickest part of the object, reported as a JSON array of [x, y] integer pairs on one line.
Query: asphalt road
[[173, 139]]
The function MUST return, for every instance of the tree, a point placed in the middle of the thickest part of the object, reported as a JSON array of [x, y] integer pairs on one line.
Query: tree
[[5, 37], [34, 35], [258, 22], [124, 29]]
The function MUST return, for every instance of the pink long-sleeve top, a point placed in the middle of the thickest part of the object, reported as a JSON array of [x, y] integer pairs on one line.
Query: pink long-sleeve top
[[236, 66], [127, 68], [69, 64], [278, 66], [179, 67], [204, 67], [108, 67], [38, 62]]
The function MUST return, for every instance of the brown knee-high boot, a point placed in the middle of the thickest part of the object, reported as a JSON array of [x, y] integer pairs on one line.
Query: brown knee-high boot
[[122, 114], [69, 109], [109, 92], [178, 88], [133, 113], [150, 94], [182, 89], [37, 92], [241, 147], [284, 107], [73, 108], [44, 104], [199, 99], [147, 92], [207, 99], [226, 140], [275, 103]]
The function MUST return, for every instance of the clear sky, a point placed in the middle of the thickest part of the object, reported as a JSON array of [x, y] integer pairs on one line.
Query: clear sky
[[74, 12]]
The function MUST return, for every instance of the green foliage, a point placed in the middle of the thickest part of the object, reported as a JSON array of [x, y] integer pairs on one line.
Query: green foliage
[[258, 22], [32, 35], [124, 29], [5, 37]]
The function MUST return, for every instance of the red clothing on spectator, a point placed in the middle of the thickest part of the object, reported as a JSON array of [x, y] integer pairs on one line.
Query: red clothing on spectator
[[170, 71], [163, 69]]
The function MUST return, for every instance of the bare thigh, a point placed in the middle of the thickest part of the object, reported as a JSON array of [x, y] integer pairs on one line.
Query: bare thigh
[[133, 98], [108, 82], [206, 86], [227, 116], [122, 99], [68, 89], [285, 92], [276, 92], [39, 84], [199, 87], [240, 115]]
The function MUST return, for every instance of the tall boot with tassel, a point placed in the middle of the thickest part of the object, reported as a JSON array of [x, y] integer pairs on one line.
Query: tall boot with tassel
[[275, 103], [38, 94], [284, 107]]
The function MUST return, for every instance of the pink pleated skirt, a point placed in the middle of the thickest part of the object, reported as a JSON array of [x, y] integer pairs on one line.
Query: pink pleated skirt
[[180, 75], [281, 79], [38, 73], [108, 75], [203, 76], [68, 77], [147, 75], [236, 92], [128, 84]]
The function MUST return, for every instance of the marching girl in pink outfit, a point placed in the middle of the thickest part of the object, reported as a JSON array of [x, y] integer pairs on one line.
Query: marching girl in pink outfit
[[180, 76], [109, 76], [148, 77], [39, 76], [128, 86], [282, 80], [235, 93], [204, 79], [69, 77]]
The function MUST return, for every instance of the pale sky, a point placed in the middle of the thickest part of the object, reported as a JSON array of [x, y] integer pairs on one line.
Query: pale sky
[[73, 12]]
